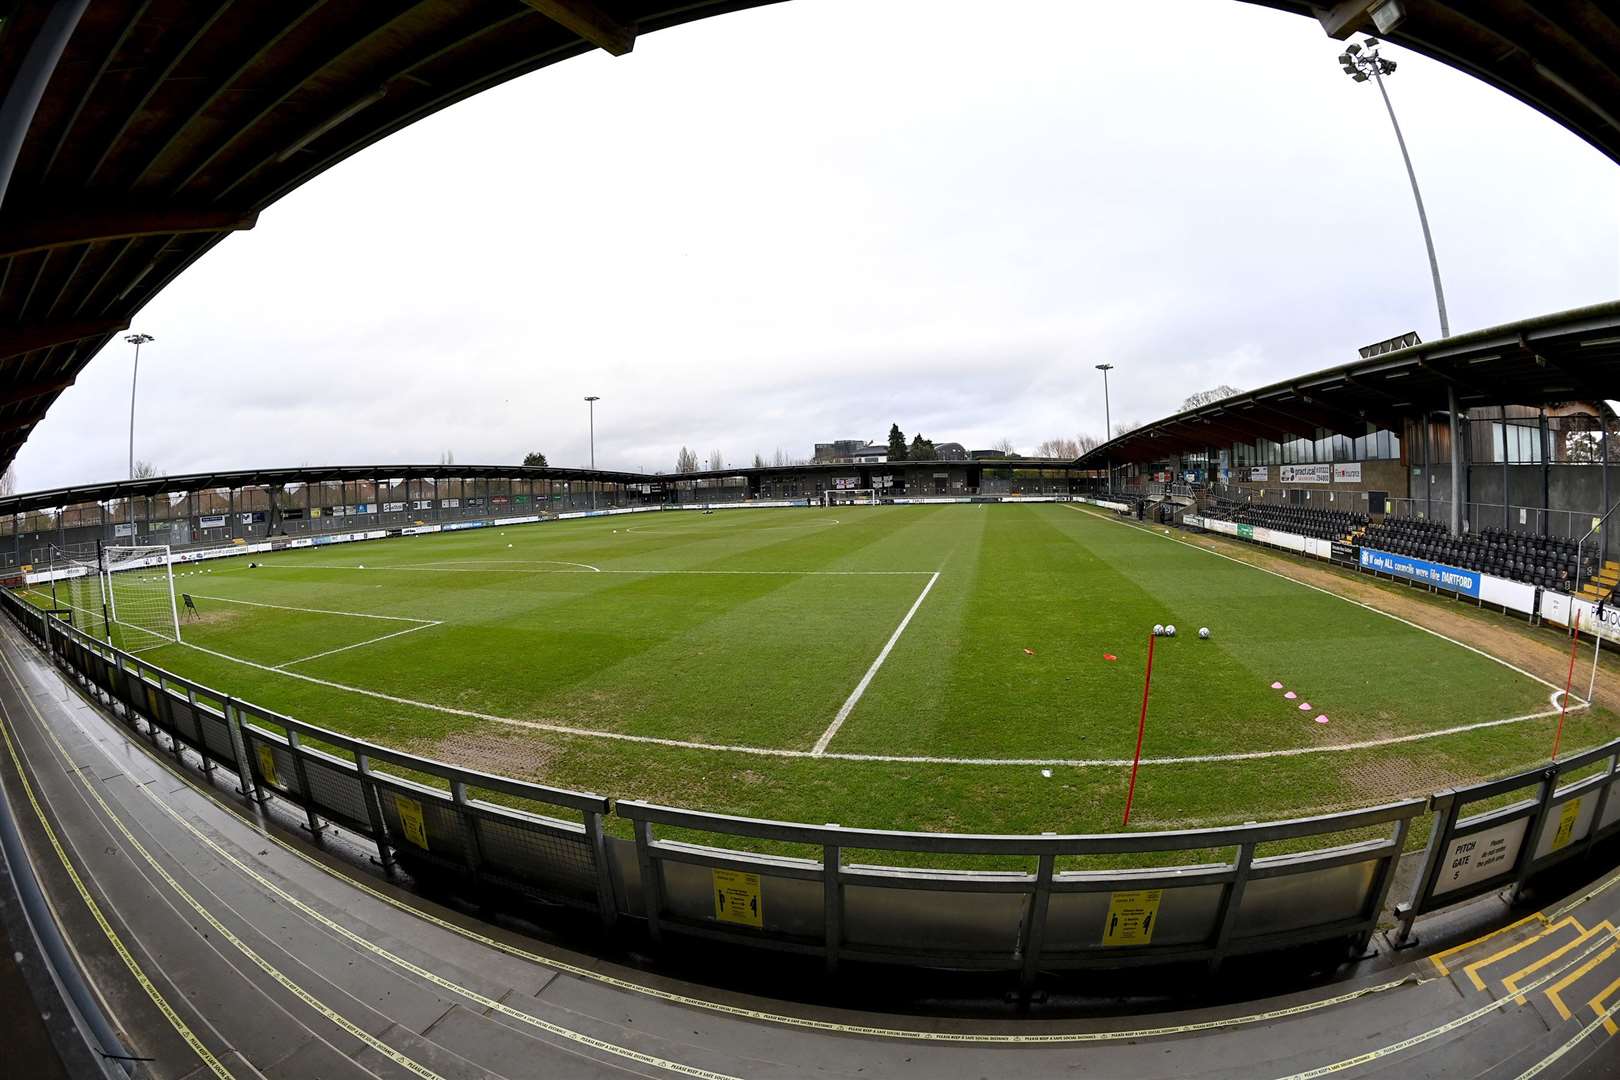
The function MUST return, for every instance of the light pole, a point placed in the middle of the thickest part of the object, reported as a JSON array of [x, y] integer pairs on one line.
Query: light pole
[[590, 402], [1108, 420], [1362, 62], [136, 340]]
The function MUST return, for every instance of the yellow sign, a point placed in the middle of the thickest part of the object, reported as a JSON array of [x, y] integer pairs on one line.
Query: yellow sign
[[1131, 917], [736, 897], [1566, 823], [267, 766], [314, 511], [410, 820]]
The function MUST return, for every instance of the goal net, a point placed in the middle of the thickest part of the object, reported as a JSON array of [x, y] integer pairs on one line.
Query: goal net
[[849, 497], [139, 586], [73, 588]]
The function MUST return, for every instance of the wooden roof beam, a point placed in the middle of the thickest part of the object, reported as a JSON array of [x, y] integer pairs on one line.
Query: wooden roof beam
[[24, 230], [591, 23], [16, 340]]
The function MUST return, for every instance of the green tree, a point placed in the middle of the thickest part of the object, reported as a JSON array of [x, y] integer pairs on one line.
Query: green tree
[[921, 449], [897, 443], [535, 458]]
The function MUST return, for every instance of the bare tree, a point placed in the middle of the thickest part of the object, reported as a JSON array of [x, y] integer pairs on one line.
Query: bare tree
[[144, 470], [1004, 445], [780, 459], [717, 461], [8, 481], [1209, 397], [686, 461], [447, 458], [759, 460], [1125, 427], [1067, 448]]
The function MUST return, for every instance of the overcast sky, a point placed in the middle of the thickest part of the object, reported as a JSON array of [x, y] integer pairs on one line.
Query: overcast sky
[[804, 222]]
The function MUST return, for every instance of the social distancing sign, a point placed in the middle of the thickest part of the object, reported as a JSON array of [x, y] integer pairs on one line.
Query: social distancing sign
[[1132, 916], [736, 898], [410, 820], [1567, 816], [267, 766]]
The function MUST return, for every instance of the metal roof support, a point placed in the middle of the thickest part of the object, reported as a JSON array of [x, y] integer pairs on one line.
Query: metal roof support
[[1456, 459], [39, 64], [589, 22], [1546, 473]]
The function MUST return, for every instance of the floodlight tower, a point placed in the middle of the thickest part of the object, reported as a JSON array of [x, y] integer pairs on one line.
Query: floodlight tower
[[1108, 421], [590, 402], [136, 340], [1362, 62]]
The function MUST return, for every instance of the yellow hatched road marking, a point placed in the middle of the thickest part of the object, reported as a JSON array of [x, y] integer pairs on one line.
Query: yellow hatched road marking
[[1510, 983], [1472, 970], [1596, 1005], [1555, 992], [215, 1066], [349, 935], [742, 1012], [1438, 958]]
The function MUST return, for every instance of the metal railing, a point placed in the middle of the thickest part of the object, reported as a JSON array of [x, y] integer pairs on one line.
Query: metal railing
[[1044, 905]]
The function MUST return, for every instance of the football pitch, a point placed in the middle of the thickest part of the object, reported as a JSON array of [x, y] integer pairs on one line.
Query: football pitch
[[955, 667]]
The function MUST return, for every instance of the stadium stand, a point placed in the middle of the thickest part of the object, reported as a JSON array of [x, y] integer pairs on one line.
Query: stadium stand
[[1320, 524], [1534, 560]]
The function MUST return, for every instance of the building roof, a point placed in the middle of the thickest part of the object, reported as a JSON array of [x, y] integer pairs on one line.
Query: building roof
[[153, 130], [1569, 356]]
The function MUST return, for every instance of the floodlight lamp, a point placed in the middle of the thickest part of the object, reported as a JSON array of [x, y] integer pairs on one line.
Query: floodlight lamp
[[1352, 49], [1344, 58], [1389, 66], [1349, 69], [1371, 43], [1387, 16], [1359, 76]]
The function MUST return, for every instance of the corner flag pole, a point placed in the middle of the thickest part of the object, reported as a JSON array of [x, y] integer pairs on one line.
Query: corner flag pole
[[1564, 705], [1141, 728]]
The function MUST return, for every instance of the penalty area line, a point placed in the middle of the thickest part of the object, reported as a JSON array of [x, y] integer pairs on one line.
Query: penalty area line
[[866, 680], [888, 759]]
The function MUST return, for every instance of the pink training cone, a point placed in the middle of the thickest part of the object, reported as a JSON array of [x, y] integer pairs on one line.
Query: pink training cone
[[1304, 706], [1290, 695], [1276, 686], [1321, 719]]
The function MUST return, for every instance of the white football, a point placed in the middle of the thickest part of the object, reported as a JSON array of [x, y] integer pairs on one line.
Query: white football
[[1203, 632], [1170, 630], [1158, 629]]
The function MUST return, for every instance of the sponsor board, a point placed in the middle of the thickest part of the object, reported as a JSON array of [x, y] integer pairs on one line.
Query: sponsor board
[[1342, 552], [1246, 532], [211, 521], [1480, 856], [393, 508], [1454, 579], [1348, 473], [1260, 472], [1307, 474]]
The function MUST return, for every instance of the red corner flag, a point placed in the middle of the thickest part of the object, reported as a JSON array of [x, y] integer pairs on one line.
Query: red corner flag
[[1141, 728]]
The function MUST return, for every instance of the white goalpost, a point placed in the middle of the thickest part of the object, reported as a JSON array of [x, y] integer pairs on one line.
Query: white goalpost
[[849, 497], [139, 584]]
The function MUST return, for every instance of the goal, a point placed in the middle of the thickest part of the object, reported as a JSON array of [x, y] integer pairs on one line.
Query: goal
[[139, 586], [849, 497], [124, 595]]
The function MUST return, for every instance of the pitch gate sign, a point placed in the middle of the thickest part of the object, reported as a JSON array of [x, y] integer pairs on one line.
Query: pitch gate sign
[[1465, 582]]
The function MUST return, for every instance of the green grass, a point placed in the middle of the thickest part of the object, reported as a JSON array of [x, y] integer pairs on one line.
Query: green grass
[[1004, 659]]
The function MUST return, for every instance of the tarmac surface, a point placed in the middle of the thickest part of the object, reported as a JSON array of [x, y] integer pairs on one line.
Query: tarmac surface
[[224, 944]]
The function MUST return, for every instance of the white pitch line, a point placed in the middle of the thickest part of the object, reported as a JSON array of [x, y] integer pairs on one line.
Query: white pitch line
[[314, 611], [361, 644], [866, 680], [595, 570], [1328, 592], [896, 759]]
